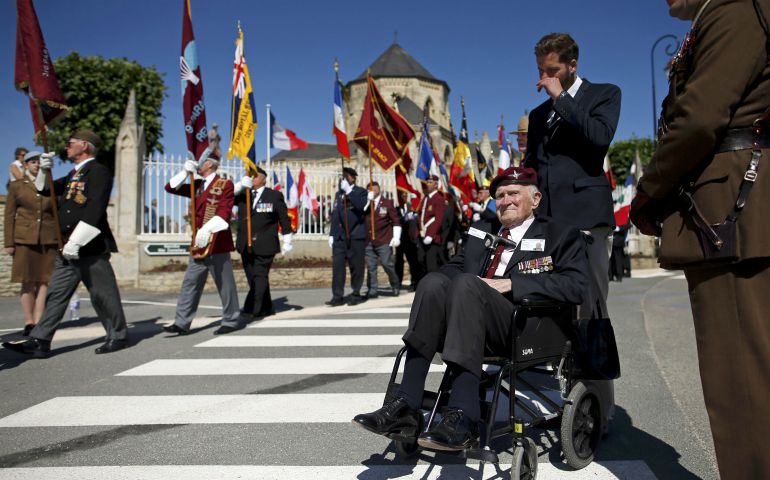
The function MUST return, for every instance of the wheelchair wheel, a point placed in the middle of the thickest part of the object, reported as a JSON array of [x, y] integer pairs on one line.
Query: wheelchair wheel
[[524, 465], [406, 449], [581, 425]]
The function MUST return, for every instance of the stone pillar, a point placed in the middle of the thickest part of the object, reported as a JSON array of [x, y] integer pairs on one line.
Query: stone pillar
[[130, 149]]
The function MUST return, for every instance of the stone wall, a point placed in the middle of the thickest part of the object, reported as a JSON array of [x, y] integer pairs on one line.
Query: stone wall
[[7, 288]]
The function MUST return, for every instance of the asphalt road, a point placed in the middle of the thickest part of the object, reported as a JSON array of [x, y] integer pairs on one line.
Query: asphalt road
[[275, 400]]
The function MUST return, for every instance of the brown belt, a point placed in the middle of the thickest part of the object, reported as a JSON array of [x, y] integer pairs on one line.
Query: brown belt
[[743, 139]]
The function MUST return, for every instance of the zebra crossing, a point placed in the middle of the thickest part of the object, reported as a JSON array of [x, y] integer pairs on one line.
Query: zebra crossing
[[271, 401]]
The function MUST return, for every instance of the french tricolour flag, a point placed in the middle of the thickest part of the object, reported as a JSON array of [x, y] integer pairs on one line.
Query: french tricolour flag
[[339, 122], [276, 182], [292, 200], [504, 159], [284, 139], [307, 194], [623, 200]]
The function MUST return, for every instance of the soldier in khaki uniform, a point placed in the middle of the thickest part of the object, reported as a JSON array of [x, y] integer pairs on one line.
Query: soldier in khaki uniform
[[720, 87]]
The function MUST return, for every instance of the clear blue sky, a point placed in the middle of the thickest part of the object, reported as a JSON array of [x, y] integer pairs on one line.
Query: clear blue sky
[[483, 50]]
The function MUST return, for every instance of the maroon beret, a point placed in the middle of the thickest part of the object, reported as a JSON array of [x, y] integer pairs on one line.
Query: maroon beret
[[514, 175]]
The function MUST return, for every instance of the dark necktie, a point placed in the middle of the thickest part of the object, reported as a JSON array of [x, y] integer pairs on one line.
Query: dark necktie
[[498, 255]]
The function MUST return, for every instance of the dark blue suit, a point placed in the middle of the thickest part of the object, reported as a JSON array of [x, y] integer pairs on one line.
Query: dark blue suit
[[569, 155], [349, 234]]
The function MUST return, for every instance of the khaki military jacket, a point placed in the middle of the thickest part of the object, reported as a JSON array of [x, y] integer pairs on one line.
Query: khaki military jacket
[[28, 216], [721, 82]]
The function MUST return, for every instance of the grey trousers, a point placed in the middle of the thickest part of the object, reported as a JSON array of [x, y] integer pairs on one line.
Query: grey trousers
[[192, 288], [97, 275], [384, 254]]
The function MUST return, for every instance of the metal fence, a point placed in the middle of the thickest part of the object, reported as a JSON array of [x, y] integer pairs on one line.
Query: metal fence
[[167, 214]]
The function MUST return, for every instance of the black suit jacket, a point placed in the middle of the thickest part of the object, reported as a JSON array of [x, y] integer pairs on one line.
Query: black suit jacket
[[567, 282], [270, 211], [84, 196], [569, 155]]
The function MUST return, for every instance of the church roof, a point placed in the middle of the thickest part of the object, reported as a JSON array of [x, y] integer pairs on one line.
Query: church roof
[[396, 62]]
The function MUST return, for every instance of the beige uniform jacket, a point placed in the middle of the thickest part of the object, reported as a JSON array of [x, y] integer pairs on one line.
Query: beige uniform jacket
[[723, 83], [28, 216]]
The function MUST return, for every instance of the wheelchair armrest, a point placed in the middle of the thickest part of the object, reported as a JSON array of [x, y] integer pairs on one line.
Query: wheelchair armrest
[[537, 301]]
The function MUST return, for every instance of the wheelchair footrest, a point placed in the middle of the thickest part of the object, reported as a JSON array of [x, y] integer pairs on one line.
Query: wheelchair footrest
[[480, 454]]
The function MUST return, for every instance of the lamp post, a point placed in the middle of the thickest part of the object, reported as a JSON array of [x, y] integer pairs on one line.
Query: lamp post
[[671, 48]]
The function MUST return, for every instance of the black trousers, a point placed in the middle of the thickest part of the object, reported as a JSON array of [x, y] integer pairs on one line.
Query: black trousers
[[354, 257], [407, 250], [430, 257], [97, 275], [462, 317], [257, 269], [617, 259]]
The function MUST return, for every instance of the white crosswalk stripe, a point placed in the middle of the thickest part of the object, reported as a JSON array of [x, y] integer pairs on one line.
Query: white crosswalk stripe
[[370, 322], [302, 341], [267, 366], [268, 350]]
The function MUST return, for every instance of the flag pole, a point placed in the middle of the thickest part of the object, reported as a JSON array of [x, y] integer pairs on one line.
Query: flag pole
[[54, 206], [369, 149], [269, 131]]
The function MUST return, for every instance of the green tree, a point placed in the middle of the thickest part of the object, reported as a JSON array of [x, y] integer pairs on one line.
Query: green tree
[[623, 152], [96, 90]]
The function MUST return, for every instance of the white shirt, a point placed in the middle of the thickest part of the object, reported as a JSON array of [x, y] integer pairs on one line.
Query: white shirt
[[376, 203], [207, 181], [19, 165], [257, 196], [516, 234], [82, 164], [575, 86]]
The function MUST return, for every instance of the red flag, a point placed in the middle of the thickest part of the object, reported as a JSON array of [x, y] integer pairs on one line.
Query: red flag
[[192, 90], [34, 73], [383, 128], [403, 185]]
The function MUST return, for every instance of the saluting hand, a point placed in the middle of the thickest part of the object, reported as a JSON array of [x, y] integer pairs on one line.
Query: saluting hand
[[552, 86]]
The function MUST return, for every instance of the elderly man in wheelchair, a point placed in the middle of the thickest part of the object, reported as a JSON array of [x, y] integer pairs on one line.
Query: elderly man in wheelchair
[[464, 310]]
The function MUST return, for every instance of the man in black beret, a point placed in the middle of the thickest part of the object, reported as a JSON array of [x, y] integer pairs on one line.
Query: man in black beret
[[347, 239], [83, 198], [465, 313]]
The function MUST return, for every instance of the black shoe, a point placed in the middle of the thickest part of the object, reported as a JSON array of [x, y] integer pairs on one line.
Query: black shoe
[[356, 300], [112, 346], [174, 328], [335, 302], [36, 348], [455, 432], [393, 417], [412, 288], [27, 328], [266, 313], [373, 295], [395, 291], [224, 329]]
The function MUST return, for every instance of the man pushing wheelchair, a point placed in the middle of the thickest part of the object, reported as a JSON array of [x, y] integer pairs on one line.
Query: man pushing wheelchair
[[464, 310]]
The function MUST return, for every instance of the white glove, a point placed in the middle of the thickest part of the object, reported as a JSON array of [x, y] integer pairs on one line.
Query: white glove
[[345, 186], [370, 196], [427, 240], [46, 161], [476, 207], [81, 235], [247, 182], [476, 217], [216, 224], [464, 208], [190, 166], [396, 241], [410, 216], [331, 242], [287, 246]]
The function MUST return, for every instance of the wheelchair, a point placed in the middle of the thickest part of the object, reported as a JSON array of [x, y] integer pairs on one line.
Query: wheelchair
[[543, 343]]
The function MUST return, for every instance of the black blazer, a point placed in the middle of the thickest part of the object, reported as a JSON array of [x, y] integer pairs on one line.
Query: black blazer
[[84, 197], [270, 211], [569, 155], [567, 282]]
